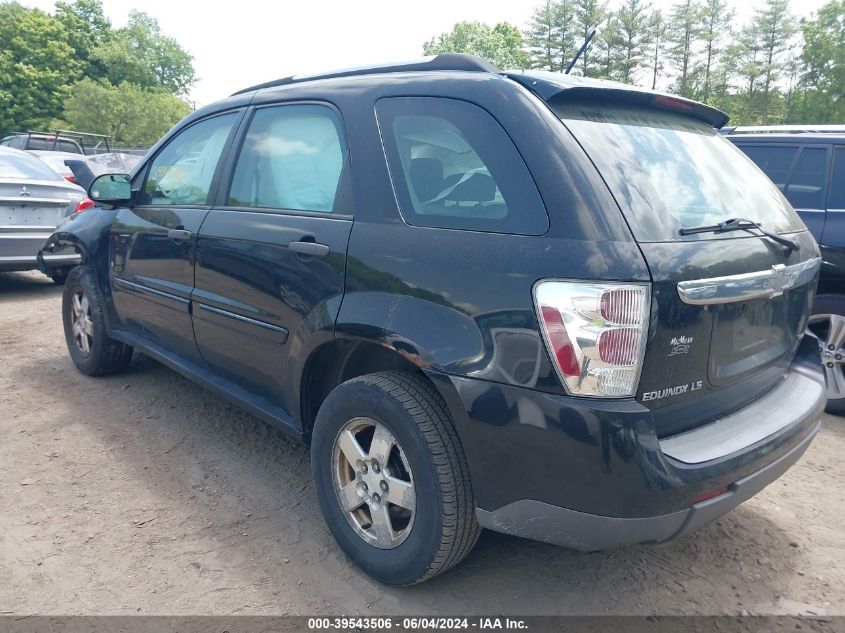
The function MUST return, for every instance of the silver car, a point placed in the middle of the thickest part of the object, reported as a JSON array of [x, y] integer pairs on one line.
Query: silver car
[[33, 201]]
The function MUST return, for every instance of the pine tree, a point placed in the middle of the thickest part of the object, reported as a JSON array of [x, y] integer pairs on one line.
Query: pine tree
[[589, 15], [683, 32], [716, 18], [776, 26], [657, 27], [634, 38]]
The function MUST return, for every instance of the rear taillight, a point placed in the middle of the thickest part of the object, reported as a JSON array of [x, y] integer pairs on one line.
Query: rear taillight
[[595, 334], [70, 179], [84, 205]]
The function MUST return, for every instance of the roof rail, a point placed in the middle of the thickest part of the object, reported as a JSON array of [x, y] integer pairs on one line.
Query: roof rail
[[786, 129], [444, 61]]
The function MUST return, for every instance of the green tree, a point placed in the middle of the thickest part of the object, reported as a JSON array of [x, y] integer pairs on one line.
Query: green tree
[[657, 27], [589, 16], [501, 44], [127, 112], [776, 26], [716, 19], [141, 54], [823, 63], [684, 26], [37, 64], [633, 19], [87, 28], [550, 37]]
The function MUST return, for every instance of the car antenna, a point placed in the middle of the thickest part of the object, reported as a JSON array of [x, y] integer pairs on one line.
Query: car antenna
[[580, 52]]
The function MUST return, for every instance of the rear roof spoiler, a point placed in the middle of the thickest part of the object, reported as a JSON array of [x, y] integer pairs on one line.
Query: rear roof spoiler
[[554, 86]]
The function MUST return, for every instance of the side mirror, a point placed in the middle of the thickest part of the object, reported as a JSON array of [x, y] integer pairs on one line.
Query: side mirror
[[111, 189]]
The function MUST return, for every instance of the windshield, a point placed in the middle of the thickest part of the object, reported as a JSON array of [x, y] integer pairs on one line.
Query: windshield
[[14, 164], [668, 171]]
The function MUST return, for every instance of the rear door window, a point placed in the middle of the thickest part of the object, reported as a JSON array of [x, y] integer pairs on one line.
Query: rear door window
[[775, 160], [806, 187], [292, 158], [453, 166]]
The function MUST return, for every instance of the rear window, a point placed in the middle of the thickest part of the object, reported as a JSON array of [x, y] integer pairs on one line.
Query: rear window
[[25, 167], [668, 171]]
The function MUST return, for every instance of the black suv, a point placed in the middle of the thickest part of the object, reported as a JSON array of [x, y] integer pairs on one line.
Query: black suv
[[808, 165], [519, 301]]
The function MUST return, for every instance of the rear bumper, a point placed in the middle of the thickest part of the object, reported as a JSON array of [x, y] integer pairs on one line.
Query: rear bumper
[[19, 251], [594, 475], [590, 532]]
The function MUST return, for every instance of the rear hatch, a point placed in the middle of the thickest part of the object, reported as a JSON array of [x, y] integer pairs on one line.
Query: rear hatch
[[728, 308]]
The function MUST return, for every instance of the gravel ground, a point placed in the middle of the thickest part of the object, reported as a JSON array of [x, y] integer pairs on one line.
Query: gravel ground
[[143, 493]]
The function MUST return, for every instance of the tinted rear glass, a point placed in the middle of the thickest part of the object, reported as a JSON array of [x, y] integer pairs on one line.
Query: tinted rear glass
[[25, 167], [668, 171]]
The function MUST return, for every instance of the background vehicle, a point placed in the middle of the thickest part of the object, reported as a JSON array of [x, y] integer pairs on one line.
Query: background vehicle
[[69, 141], [542, 320], [808, 165], [56, 162], [33, 200]]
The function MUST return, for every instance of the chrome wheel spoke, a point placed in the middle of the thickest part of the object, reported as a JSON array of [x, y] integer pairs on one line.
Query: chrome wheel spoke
[[349, 497], [401, 493], [87, 326], [83, 343], [351, 449], [382, 444], [836, 337], [382, 527], [76, 305], [835, 379]]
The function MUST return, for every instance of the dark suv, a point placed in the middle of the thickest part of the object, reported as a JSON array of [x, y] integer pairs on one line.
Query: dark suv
[[518, 301], [808, 165]]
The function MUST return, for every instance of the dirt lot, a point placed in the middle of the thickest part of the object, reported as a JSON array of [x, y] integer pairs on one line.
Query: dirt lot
[[144, 493]]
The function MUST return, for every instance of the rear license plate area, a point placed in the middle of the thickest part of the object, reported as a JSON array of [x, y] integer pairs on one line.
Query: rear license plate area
[[23, 215]]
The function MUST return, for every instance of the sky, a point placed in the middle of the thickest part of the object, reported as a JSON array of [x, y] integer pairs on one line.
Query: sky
[[238, 44]]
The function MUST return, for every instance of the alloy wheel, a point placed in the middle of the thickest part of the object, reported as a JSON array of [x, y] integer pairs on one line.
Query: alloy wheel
[[374, 483], [830, 331], [81, 324]]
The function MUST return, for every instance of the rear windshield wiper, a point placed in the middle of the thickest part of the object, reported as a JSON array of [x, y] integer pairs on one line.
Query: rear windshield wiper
[[739, 224]]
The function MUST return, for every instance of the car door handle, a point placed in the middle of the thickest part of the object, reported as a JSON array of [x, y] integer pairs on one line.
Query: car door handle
[[179, 235], [310, 248]]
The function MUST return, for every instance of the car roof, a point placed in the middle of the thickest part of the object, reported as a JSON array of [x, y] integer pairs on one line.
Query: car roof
[[547, 85]]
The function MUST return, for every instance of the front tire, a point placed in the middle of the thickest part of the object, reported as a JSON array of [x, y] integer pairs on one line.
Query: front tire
[[83, 308], [828, 324], [391, 478]]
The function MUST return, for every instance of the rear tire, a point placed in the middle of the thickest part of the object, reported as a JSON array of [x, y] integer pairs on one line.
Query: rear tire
[[425, 469], [83, 307], [828, 324]]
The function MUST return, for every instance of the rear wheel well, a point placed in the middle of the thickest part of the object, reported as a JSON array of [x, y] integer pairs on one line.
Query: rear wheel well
[[339, 361]]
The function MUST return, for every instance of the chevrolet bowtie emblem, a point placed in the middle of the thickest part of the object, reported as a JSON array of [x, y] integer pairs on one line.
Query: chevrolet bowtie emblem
[[778, 280], [25, 191]]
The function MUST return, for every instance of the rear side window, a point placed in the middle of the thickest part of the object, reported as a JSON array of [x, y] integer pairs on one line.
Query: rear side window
[[806, 188], [182, 172], [25, 167], [292, 158], [453, 166], [837, 181], [775, 161]]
